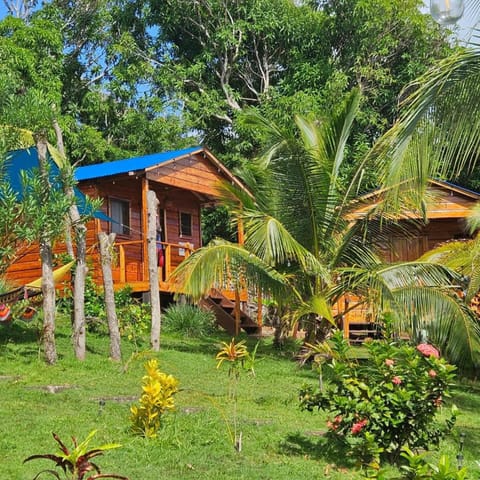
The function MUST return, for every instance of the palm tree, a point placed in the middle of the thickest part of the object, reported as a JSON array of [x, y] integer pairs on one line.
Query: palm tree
[[437, 133], [302, 247]]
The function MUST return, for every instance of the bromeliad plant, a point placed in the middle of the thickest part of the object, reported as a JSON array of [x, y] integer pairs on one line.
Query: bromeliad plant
[[76, 463], [157, 398], [386, 402]]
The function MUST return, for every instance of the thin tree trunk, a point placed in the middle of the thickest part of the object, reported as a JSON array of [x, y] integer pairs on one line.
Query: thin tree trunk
[[46, 255], [152, 209], [81, 269], [106, 245]]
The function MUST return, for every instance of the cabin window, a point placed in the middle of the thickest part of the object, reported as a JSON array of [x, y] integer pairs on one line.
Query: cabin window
[[185, 224], [120, 212]]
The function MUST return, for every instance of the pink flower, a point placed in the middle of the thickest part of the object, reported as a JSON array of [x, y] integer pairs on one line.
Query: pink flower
[[432, 373], [357, 427], [335, 424], [389, 362], [428, 350], [396, 380]]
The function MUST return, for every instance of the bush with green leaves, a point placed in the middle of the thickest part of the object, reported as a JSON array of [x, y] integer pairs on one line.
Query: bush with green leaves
[[188, 320], [418, 468], [388, 401]]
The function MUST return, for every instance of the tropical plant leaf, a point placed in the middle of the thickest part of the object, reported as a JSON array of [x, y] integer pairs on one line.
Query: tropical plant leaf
[[222, 264]]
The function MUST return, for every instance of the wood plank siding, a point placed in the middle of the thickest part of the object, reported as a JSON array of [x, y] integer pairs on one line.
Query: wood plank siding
[[447, 208], [182, 185]]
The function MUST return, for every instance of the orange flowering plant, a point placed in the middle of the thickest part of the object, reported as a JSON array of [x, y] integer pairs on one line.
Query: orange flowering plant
[[387, 401], [238, 358]]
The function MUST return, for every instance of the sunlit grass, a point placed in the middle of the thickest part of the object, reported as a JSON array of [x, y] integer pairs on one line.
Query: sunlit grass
[[279, 440]]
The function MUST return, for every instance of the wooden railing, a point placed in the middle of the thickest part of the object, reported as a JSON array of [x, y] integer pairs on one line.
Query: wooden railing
[[131, 253]]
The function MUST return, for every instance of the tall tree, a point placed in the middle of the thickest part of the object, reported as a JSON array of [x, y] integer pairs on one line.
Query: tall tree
[[76, 222], [106, 248], [218, 57]]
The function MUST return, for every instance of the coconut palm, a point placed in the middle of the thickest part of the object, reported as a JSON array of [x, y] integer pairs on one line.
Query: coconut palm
[[437, 134], [303, 248]]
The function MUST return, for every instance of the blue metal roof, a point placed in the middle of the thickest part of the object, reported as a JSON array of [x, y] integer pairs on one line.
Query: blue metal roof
[[129, 164]]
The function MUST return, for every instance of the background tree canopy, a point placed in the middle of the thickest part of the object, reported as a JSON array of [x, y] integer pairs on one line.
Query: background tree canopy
[[126, 77]]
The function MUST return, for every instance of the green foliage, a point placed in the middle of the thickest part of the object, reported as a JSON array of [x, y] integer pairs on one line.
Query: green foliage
[[134, 320], [281, 442], [386, 402], [188, 320], [157, 398], [133, 315], [216, 222], [418, 468], [76, 463], [239, 359]]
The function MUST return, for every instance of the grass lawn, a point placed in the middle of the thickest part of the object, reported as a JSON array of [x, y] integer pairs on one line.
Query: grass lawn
[[279, 440]]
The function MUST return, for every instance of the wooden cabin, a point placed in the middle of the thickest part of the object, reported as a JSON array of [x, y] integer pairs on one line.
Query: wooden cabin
[[447, 206], [184, 181]]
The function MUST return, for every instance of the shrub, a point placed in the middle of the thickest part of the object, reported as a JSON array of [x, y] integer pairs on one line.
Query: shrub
[[188, 320], [157, 398], [389, 401], [418, 468]]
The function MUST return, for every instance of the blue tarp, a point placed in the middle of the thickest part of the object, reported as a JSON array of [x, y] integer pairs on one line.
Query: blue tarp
[[27, 160]]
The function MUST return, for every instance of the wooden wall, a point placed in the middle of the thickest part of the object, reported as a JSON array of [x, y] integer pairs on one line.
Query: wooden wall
[[420, 240], [171, 200]]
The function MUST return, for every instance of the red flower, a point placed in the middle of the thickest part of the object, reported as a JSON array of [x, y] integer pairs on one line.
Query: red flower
[[396, 380], [432, 373], [335, 424], [357, 427], [428, 350], [389, 362]]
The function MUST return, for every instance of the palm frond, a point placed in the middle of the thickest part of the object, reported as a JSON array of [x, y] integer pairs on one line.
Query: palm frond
[[450, 324], [269, 240], [222, 265], [437, 133]]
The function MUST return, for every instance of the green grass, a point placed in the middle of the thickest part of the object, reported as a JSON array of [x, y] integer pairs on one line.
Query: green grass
[[279, 440]]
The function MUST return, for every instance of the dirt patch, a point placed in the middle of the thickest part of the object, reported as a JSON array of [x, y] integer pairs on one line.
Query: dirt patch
[[7, 378], [117, 399], [53, 388]]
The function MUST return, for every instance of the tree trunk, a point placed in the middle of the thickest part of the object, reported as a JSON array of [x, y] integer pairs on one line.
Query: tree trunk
[[46, 255], [106, 245], [152, 210], [81, 270]]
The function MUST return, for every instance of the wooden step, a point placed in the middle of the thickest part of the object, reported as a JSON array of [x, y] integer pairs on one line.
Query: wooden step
[[225, 315]]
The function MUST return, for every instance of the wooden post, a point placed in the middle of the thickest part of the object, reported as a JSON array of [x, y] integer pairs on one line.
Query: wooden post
[[237, 311], [168, 261], [240, 232], [144, 227], [122, 264], [346, 319], [152, 255], [106, 244], [259, 308]]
